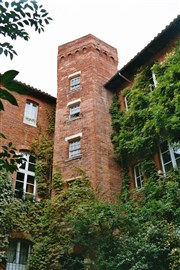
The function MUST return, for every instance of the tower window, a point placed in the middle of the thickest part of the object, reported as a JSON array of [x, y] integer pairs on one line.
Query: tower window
[[74, 80], [75, 83], [74, 111], [74, 145], [74, 108], [74, 148], [30, 113]]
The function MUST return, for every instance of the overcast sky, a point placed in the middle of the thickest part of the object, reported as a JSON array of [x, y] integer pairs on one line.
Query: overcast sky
[[128, 25]]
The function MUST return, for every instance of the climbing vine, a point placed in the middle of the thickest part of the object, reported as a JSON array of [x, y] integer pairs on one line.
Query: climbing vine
[[153, 114]]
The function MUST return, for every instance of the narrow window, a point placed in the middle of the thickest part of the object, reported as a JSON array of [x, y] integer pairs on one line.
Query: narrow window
[[25, 178], [17, 255], [74, 111], [138, 176], [75, 83], [153, 82], [170, 156], [126, 102], [30, 113], [74, 148]]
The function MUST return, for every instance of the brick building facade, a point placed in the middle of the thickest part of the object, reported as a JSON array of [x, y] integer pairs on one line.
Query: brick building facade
[[82, 139], [83, 123], [21, 125]]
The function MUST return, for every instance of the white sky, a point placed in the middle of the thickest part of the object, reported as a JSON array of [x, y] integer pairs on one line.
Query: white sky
[[128, 25]]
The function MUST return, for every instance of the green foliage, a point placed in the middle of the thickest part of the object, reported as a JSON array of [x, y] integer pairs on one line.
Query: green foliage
[[152, 115], [9, 159], [15, 17], [42, 148]]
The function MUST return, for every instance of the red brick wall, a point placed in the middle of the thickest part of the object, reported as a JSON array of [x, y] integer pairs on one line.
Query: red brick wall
[[97, 62], [11, 121]]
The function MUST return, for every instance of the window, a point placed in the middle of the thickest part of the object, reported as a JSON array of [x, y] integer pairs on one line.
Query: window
[[74, 148], [75, 80], [154, 82], [25, 178], [74, 108], [138, 176], [126, 102], [17, 255], [75, 83], [30, 114], [170, 156], [74, 111], [74, 145]]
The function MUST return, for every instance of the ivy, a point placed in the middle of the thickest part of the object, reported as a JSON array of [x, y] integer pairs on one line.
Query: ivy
[[152, 116]]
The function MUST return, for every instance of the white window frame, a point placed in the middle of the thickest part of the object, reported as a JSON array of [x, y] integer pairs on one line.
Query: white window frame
[[154, 82], [126, 102], [30, 113], [138, 178], [172, 158], [74, 109], [74, 145], [154, 79], [26, 172], [16, 264], [75, 80]]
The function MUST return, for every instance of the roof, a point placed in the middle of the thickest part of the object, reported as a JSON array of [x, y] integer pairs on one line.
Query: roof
[[37, 93], [157, 44]]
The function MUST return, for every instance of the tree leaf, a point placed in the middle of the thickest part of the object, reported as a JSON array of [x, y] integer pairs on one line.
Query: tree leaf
[[8, 76], [17, 87], [4, 94]]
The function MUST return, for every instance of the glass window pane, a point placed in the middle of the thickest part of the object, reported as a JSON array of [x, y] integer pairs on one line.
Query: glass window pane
[[11, 254], [32, 159], [30, 179], [30, 189], [31, 167], [166, 157], [20, 176], [23, 256]]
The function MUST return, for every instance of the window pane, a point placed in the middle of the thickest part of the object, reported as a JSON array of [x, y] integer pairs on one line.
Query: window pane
[[11, 254], [74, 83], [30, 179], [32, 159], [23, 256], [30, 189], [20, 176], [176, 150], [31, 167]]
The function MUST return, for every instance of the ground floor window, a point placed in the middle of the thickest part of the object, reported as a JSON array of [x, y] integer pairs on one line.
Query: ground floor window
[[18, 253]]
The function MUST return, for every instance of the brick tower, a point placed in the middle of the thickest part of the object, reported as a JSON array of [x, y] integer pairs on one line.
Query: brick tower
[[83, 123]]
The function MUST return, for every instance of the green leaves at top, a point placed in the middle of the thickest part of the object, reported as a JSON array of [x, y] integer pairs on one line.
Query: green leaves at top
[[7, 83], [14, 19]]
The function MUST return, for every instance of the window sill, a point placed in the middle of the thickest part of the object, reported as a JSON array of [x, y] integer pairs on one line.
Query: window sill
[[75, 90], [30, 124], [70, 159], [73, 119]]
